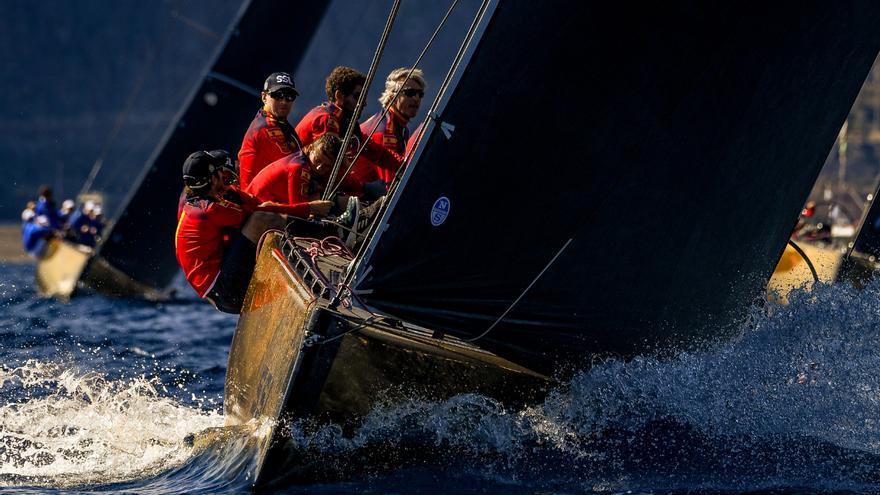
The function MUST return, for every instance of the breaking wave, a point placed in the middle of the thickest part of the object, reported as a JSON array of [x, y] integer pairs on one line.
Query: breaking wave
[[62, 427], [792, 401]]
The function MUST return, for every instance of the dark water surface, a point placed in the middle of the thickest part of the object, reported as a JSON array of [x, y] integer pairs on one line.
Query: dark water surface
[[110, 396]]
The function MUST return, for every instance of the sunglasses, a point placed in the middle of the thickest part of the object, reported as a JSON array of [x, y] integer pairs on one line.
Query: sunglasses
[[410, 92], [278, 95]]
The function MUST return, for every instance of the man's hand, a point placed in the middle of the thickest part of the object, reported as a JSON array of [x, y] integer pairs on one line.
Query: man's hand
[[320, 208]]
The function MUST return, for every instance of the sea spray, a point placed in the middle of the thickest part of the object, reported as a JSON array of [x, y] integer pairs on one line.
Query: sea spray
[[79, 428], [795, 395]]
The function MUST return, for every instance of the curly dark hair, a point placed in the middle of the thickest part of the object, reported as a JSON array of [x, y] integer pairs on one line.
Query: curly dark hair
[[344, 79]]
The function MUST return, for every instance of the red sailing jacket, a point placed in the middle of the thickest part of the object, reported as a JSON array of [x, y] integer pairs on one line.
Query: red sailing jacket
[[390, 133], [266, 140], [291, 180], [203, 233], [328, 118], [287, 181]]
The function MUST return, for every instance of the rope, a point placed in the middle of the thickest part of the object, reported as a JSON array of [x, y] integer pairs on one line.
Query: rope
[[365, 323], [431, 114], [328, 246], [360, 104], [447, 80], [516, 301], [807, 259], [396, 94]]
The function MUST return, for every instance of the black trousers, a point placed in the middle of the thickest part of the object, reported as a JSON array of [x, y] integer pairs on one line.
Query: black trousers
[[235, 275]]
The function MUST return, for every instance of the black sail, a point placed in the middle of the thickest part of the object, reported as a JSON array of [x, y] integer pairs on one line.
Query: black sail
[[617, 176], [268, 36]]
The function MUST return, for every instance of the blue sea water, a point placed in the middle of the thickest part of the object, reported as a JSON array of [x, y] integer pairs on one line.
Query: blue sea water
[[111, 396]]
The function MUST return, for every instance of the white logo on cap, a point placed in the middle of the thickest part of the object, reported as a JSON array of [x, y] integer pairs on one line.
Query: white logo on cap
[[283, 78]]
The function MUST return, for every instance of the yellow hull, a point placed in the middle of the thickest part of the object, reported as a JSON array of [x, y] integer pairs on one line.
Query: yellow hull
[[60, 267], [792, 271]]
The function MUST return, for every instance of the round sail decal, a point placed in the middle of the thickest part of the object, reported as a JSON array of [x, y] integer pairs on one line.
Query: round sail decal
[[440, 211]]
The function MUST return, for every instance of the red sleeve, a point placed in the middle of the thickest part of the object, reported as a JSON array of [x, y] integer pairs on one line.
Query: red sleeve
[[298, 210], [387, 161], [246, 157], [250, 204]]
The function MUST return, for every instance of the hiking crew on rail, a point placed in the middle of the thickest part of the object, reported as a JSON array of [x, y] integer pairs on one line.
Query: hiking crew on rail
[[284, 171]]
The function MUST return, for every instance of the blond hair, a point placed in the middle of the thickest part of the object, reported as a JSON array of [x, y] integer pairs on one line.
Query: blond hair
[[394, 82]]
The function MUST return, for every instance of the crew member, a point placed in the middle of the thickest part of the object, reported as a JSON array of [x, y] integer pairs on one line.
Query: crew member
[[67, 207], [270, 136], [299, 177], [35, 232], [401, 100], [46, 208], [343, 86], [218, 229]]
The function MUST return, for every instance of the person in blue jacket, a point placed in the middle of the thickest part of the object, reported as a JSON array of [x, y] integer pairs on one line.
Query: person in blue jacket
[[35, 233], [46, 208]]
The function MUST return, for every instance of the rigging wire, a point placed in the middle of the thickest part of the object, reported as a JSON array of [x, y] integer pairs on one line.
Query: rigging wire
[[430, 115], [522, 294], [806, 258], [135, 92], [353, 121], [121, 118], [397, 93]]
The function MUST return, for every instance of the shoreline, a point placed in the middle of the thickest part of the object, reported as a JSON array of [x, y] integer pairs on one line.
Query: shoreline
[[10, 244]]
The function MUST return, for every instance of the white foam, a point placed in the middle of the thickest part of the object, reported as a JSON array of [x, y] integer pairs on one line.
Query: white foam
[[72, 428]]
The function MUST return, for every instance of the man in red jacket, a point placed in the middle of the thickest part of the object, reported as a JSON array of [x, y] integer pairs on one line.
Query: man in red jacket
[[401, 99], [343, 86], [270, 136], [297, 178], [218, 228]]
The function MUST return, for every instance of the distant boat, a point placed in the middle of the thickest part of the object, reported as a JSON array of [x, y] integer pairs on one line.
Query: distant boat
[[594, 180], [136, 257], [59, 269]]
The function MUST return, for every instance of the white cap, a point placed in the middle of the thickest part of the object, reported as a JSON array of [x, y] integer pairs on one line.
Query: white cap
[[27, 215], [42, 221], [96, 210], [87, 207], [68, 204]]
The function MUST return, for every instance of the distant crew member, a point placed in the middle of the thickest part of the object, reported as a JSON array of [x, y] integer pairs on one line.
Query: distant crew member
[[46, 208], [35, 231], [343, 87], [390, 131], [218, 229], [270, 136], [66, 210]]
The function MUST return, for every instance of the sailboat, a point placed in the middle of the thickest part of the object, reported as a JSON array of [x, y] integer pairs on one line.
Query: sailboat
[[593, 180], [136, 257]]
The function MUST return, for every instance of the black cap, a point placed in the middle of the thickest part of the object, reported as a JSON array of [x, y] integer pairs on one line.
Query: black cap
[[279, 80], [201, 165]]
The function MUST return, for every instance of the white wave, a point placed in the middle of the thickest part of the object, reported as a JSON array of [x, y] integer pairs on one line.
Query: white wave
[[808, 370], [72, 428]]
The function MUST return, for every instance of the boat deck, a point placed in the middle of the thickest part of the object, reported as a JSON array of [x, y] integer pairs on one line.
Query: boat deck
[[371, 322]]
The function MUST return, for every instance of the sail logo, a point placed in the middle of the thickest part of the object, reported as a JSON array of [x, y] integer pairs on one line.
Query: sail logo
[[440, 211]]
